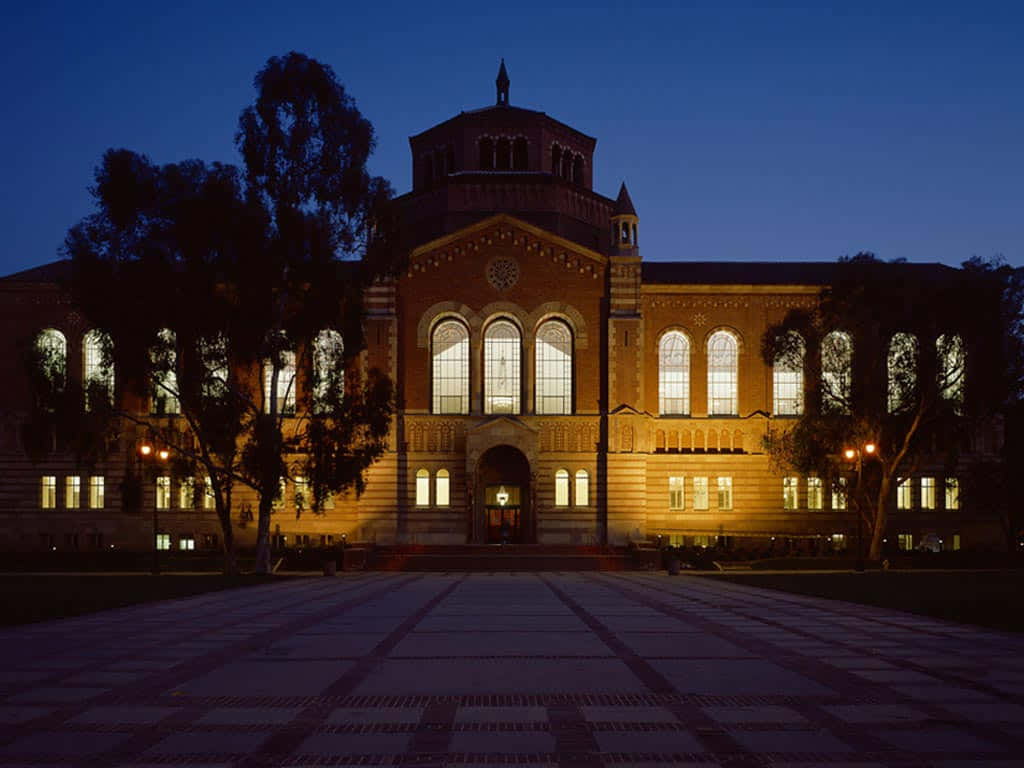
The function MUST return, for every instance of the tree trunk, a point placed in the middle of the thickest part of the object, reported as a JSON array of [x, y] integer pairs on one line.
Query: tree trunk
[[230, 556], [881, 519], [263, 534]]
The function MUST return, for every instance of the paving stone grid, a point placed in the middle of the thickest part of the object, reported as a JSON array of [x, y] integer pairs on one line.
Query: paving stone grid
[[542, 669]]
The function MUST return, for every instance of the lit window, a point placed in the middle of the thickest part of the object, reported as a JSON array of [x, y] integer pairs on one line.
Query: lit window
[[209, 497], [328, 368], [836, 372], [951, 370], [839, 541], [97, 367], [700, 493], [952, 493], [554, 368], [903, 494], [839, 493], [902, 371], [450, 351], [676, 499], [442, 495], [73, 491], [96, 492], [725, 493], [280, 498], [163, 541], [582, 488], [48, 497], [163, 492], [164, 359], [788, 377], [927, 493], [956, 541], [283, 396], [905, 541], [52, 350], [187, 493], [186, 543], [790, 487], [674, 374], [562, 488], [722, 367], [213, 355], [301, 493], [815, 496], [422, 488], [501, 368]]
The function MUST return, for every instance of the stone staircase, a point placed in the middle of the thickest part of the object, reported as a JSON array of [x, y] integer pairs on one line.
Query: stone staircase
[[516, 557]]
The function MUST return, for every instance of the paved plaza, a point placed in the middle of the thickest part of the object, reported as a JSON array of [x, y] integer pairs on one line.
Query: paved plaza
[[487, 669]]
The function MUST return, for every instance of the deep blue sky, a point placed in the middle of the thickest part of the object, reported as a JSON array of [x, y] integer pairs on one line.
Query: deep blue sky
[[797, 132]]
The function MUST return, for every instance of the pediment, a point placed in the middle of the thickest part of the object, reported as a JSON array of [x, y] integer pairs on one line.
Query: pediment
[[501, 425]]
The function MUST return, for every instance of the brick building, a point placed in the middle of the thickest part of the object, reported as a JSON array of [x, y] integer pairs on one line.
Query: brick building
[[553, 387]]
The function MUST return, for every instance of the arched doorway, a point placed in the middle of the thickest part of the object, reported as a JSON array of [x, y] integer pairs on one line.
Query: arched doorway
[[504, 496]]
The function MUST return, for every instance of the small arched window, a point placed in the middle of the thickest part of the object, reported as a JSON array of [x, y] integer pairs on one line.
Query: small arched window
[[901, 367], [442, 495], [674, 374], [52, 352], [503, 155], [97, 367], [556, 159], [577, 169], [582, 488], [486, 154], [328, 368], [788, 376], [723, 362], [951, 369], [422, 488], [501, 367], [163, 358], [562, 488], [450, 354], [554, 368], [836, 372], [520, 160]]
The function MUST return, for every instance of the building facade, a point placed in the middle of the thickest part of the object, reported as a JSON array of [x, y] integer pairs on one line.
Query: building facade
[[553, 387]]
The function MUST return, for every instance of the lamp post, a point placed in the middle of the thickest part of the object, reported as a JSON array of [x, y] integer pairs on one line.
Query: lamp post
[[148, 453], [857, 454]]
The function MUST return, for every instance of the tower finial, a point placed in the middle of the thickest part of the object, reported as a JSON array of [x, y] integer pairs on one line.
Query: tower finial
[[502, 82]]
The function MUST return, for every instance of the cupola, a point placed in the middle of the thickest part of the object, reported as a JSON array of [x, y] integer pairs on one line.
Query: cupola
[[624, 223]]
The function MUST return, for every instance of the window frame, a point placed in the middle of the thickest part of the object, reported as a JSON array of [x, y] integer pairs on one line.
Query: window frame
[[564, 379], [581, 487], [676, 493], [562, 487], [669, 369], [422, 490], [442, 490], [723, 375], [441, 363], [493, 345]]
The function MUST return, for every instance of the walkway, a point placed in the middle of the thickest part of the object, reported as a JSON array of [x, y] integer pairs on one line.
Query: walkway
[[553, 669]]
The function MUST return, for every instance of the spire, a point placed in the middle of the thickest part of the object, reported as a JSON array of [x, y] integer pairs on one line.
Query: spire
[[502, 82], [623, 205]]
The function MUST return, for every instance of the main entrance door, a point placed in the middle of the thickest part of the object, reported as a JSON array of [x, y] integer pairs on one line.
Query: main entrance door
[[503, 486]]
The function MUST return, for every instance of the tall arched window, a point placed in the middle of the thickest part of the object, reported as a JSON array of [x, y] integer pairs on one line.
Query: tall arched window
[[503, 154], [422, 488], [164, 360], [562, 488], [442, 496], [836, 372], [501, 368], [450, 354], [951, 369], [486, 154], [901, 368], [97, 366], [788, 377], [674, 374], [52, 350], [723, 362], [283, 361], [328, 369], [582, 488], [554, 368]]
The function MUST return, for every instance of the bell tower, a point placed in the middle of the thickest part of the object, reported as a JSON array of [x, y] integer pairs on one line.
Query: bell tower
[[624, 225]]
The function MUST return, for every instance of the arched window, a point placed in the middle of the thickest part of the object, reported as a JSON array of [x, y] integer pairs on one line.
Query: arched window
[[566, 165], [503, 155], [901, 368], [52, 350], [582, 488], [722, 374], [554, 368], [577, 169], [788, 377], [213, 355], [836, 372], [97, 367], [442, 497], [501, 368], [283, 394], [562, 488], [556, 159], [486, 154], [951, 370], [328, 369], [674, 374], [450, 353], [164, 360], [520, 160], [422, 488]]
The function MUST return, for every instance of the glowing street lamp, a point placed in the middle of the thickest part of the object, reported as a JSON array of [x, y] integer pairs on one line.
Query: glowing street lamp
[[851, 454]]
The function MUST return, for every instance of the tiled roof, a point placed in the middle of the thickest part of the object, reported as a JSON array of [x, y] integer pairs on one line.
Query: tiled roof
[[54, 272]]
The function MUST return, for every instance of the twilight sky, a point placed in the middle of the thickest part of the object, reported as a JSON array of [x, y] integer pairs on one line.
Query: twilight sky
[[744, 132]]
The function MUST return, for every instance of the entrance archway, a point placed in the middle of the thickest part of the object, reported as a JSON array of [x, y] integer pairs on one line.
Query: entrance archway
[[504, 493]]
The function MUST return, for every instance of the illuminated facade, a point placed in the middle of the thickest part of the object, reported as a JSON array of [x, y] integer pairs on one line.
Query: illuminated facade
[[553, 387]]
